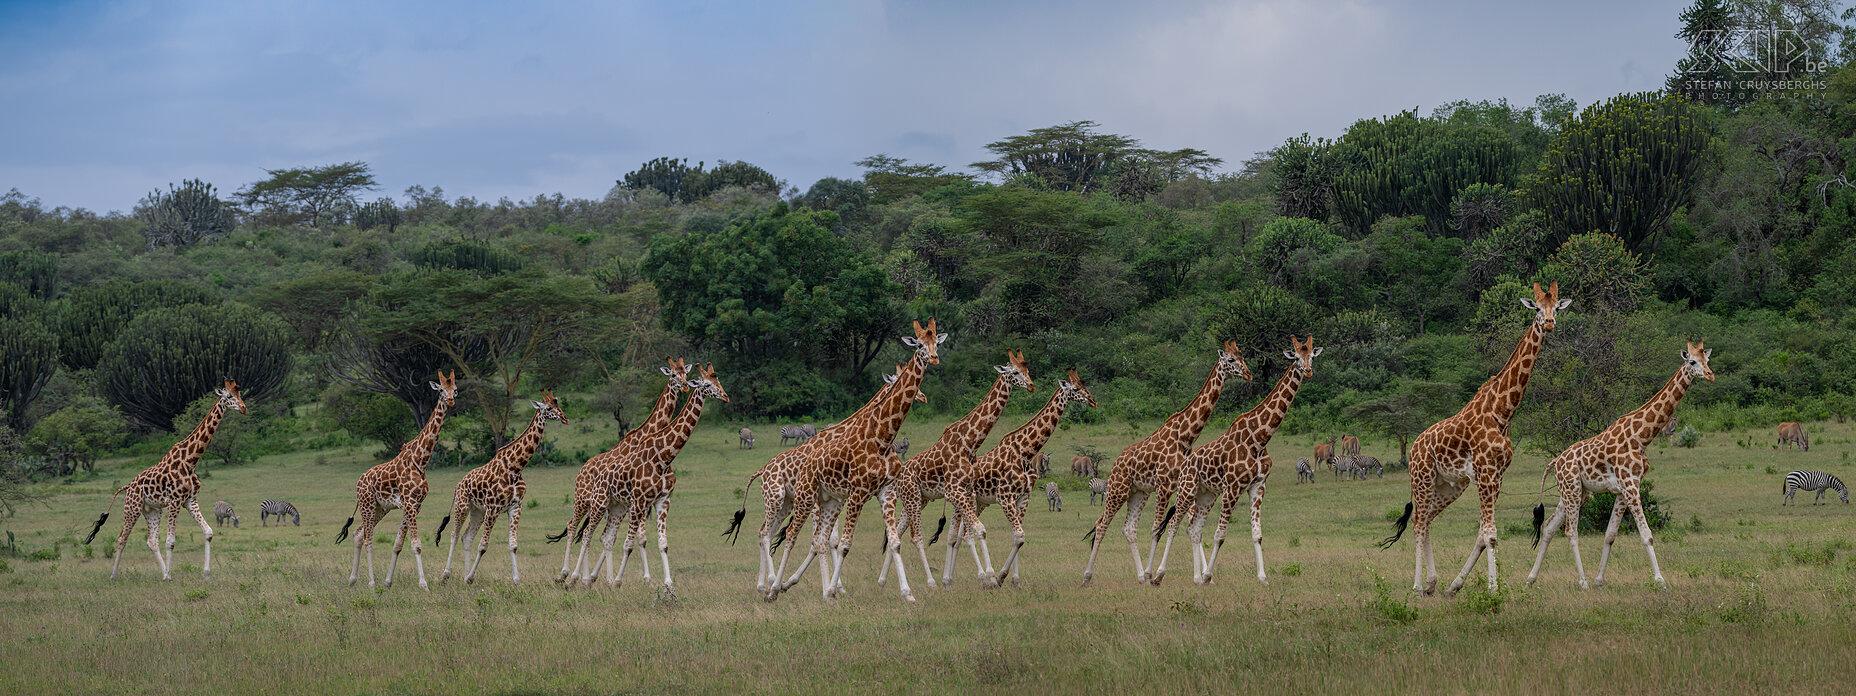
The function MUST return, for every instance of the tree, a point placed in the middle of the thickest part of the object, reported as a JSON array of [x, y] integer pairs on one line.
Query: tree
[[166, 358], [1622, 168], [1301, 177], [676, 179], [380, 213], [184, 216], [76, 434], [1406, 165], [397, 365], [95, 315], [236, 439], [843, 196], [28, 357], [36, 272], [1704, 76], [1598, 271], [664, 174], [1405, 412], [316, 305], [894, 178], [1067, 157], [374, 416], [312, 195], [1410, 267]]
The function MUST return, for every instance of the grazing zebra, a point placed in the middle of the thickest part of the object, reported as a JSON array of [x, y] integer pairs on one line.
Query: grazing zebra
[[1304, 472], [222, 511], [792, 432], [1793, 434], [1344, 466], [902, 447], [1098, 489], [1367, 462], [811, 430], [1814, 481], [1668, 431], [279, 508], [1052, 497], [747, 439]]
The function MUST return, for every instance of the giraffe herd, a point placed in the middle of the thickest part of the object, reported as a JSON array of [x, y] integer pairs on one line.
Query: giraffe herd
[[837, 471]]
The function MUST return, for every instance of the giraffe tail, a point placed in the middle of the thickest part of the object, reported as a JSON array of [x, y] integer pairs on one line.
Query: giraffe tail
[[734, 526], [938, 528], [1540, 518], [1159, 528], [440, 534], [552, 538], [343, 535], [1398, 529], [103, 517]]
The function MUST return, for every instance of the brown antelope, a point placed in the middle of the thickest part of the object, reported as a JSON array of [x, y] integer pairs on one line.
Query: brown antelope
[[1793, 434]]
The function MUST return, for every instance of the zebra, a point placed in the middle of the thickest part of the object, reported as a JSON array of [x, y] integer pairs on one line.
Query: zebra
[[811, 431], [792, 432], [1344, 466], [1814, 481], [1098, 489], [1052, 497], [747, 439], [1669, 431], [1304, 472], [1366, 462], [222, 511], [279, 508], [902, 447]]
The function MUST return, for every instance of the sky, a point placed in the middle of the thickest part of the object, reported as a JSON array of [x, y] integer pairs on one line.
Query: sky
[[105, 102]]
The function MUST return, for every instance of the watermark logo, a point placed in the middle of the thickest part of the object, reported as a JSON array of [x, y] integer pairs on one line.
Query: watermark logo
[[1745, 64]]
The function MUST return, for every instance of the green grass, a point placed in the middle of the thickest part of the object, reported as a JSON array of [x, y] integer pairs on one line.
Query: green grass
[[1750, 587]]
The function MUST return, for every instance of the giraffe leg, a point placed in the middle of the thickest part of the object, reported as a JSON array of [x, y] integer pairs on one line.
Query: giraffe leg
[[206, 564], [892, 527], [1023, 504], [805, 505], [842, 545], [1225, 506], [1195, 533], [663, 540], [460, 511], [1162, 498], [957, 531], [1256, 526], [154, 540], [634, 528], [172, 517], [515, 518], [1571, 522], [1485, 538], [589, 527], [822, 546], [1611, 535], [1014, 513], [1157, 570], [409, 517], [399, 541], [483, 545], [921, 549], [1111, 504], [569, 568], [614, 517], [1546, 539], [1136, 500], [1444, 494], [364, 513], [773, 506], [131, 512], [1635, 501]]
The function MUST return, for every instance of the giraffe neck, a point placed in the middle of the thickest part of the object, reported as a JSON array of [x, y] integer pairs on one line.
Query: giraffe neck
[[1024, 442], [966, 434], [1505, 390], [1259, 424], [672, 439], [419, 452], [186, 453], [661, 414], [1186, 425], [515, 454], [1651, 418], [888, 414]]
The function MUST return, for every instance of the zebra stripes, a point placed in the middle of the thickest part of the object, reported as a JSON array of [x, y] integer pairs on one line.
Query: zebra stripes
[[1814, 481], [1098, 490], [1303, 472], [1052, 497], [222, 511], [279, 508]]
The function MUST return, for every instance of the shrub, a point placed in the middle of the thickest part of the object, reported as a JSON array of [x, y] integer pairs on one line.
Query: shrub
[[1687, 437], [1596, 512]]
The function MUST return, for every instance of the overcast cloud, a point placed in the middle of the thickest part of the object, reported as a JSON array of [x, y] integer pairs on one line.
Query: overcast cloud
[[108, 101]]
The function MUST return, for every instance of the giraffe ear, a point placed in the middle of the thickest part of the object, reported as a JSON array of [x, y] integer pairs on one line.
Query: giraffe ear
[[436, 386], [222, 393], [1290, 354], [1707, 353], [687, 368], [1529, 303], [1001, 369], [911, 342], [1317, 352], [667, 371], [1564, 304], [940, 338], [539, 406]]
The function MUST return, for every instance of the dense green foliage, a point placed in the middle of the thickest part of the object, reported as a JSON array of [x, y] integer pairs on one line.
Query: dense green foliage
[[1403, 243], [185, 215]]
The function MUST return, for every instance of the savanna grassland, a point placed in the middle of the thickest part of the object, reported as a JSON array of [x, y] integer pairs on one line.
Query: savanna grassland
[[1752, 586]]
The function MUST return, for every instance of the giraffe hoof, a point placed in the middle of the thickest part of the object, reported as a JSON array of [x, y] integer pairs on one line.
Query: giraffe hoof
[[1263, 580]]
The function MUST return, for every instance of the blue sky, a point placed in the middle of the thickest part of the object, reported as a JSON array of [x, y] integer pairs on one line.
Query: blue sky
[[106, 101]]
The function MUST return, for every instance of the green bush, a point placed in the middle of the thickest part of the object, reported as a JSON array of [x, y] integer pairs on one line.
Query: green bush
[[1687, 437], [1596, 512], [167, 358]]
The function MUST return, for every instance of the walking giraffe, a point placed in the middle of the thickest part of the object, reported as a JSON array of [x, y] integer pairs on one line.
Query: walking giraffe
[[643, 482], [846, 468], [398, 483], [1006, 475], [1472, 447], [590, 494], [958, 445], [1613, 460], [1235, 463], [494, 488], [170, 485], [1152, 465]]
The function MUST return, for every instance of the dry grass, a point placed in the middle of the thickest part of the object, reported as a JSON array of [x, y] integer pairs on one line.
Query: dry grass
[[1755, 585]]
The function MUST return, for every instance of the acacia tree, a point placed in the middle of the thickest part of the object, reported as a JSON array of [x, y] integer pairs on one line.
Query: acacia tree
[[1405, 412], [312, 195], [1074, 157]]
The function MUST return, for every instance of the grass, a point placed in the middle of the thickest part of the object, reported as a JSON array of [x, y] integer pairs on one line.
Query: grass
[[1752, 585]]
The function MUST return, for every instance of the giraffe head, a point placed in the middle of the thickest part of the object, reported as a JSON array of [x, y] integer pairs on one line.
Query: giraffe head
[[926, 342], [1073, 390], [551, 408], [1695, 358], [678, 372], [229, 396], [1303, 354], [447, 387], [1016, 371], [707, 385], [1546, 305], [1230, 362], [889, 380]]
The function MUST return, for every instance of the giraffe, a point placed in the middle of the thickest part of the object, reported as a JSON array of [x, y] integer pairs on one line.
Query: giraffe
[[1613, 460], [1472, 447], [590, 495], [1152, 465], [1235, 463], [645, 481], [776, 479], [170, 485], [958, 445], [399, 483], [853, 467], [489, 490], [1006, 475]]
